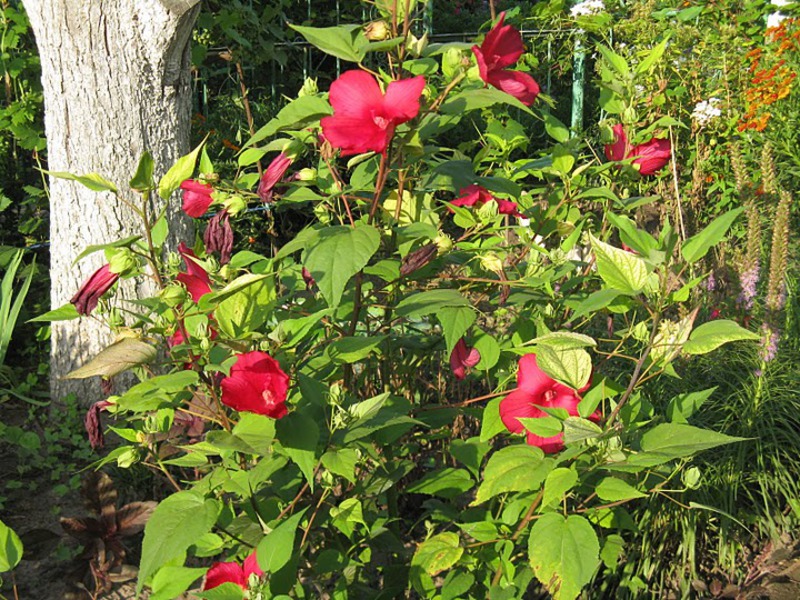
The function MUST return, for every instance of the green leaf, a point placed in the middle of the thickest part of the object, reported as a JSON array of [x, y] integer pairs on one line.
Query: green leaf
[[275, 549], [346, 41], [683, 406], [564, 340], [710, 336], [246, 304], [10, 548], [559, 481], [178, 173], [555, 128], [430, 302], [347, 515], [341, 462], [612, 550], [67, 312], [477, 98], [226, 591], [489, 350], [577, 429], [620, 270], [353, 349], [298, 435], [257, 431], [170, 582], [338, 254], [518, 468], [617, 62], [296, 114], [447, 483], [491, 423], [612, 489], [698, 245], [563, 160], [595, 302], [437, 553], [117, 358], [564, 554], [676, 440], [93, 181], [142, 180], [571, 367], [123, 243], [653, 56], [456, 321], [177, 522]]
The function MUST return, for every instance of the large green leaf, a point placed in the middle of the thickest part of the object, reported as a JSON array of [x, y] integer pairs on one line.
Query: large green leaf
[[275, 550], [676, 440], [518, 468], [438, 553], [170, 582], [178, 173], [298, 435], [177, 523], [10, 548], [572, 367], [698, 245], [710, 336], [559, 481], [257, 431], [246, 309], [612, 489], [564, 553], [478, 98], [296, 114], [620, 270], [448, 483], [93, 181], [338, 254], [345, 41], [430, 302], [118, 357], [456, 321]]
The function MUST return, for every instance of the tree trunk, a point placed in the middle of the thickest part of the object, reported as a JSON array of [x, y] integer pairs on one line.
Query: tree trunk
[[116, 83]]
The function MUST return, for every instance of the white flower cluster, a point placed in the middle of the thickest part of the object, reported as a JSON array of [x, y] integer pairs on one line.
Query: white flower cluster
[[587, 8], [705, 111]]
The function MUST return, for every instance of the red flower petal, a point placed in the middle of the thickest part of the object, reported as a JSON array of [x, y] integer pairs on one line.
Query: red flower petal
[[463, 358], [503, 45], [519, 403], [616, 151], [531, 378], [196, 279], [196, 198], [549, 445], [651, 156], [515, 83], [355, 94], [401, 102], [256, 384], [251, 566], [355, 135], [507, 207], [225, 572], [274, 173], [86, 298]]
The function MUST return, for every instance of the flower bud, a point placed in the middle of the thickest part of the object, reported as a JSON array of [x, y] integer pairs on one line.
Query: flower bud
[[306, 174], [234, 204], [443, 242], [416, 46], [491, 262], [417, 259], [174, 261], [377, 31], [122, 261], [173, 295], [309, 88]]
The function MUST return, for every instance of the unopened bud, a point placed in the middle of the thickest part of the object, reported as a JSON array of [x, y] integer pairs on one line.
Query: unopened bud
[[309, 88], [443, 242], [173, 295], [306, 174], [234, 204], [491, 262], [416, 46], [174, 261], [376, 31], [122, 261]]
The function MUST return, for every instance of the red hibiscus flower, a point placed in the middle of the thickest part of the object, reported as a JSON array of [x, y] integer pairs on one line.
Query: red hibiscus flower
[[87, 297], [502, 48], [650, 157], [274, 173], [364, 118], [475, 194], [256, 384], [232, 572], [535, 389], [463, 358], [195, 278], [196, 197]]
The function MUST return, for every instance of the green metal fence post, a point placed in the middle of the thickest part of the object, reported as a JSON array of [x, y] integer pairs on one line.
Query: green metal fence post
[[578, 60]]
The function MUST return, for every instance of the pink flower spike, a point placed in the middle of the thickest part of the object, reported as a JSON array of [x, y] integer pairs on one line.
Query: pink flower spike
[[196, 197], [364, 119], [463, 358]]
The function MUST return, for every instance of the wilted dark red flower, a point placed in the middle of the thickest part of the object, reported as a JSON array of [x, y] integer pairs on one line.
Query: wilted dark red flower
[[196, 280], [418, 258], [93, 425], [364, 119], [232, 572], [86, 298], [650, 156], [256, 384], [501, 48], [274, 173], [309, 280], [475, 194], [196, 197], [463, 358], [536, 389], [219, 236]]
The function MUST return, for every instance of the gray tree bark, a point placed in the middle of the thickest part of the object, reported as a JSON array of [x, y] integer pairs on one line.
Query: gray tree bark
[[116, 82]]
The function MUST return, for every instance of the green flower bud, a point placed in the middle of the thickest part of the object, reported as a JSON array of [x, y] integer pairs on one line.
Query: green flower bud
[[174, 261], [306, 174], [173, 295], [309, 88], [122, 261], [234, 204], [377, 31]]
